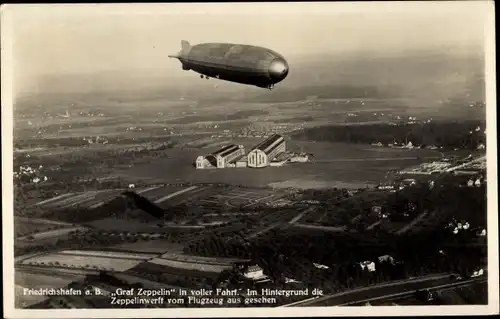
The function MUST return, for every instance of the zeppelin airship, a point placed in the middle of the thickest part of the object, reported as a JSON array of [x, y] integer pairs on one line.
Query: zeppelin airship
[[240, 63]]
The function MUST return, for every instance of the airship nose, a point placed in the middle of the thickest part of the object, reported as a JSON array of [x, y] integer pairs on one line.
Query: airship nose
[[278, 69]]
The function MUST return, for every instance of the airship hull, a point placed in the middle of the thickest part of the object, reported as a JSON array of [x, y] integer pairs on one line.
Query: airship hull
[[238, 63]]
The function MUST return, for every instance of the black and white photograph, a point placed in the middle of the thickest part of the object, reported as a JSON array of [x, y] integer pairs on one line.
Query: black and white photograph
[[249, 159]]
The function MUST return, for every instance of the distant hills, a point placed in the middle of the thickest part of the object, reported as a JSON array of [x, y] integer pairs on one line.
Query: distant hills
[[426, 78], [423, 76]]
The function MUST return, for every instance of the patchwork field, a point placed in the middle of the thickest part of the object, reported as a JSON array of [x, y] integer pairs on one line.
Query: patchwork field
[[151, 246], [88, 199], [190, 265], [93, 199], [176, 268], [162, 193], [110, 254], [122, 225], [208, 201], [239, 197], [52, 233], [25, 226], [71, 260], [201, 259], [170, 274]]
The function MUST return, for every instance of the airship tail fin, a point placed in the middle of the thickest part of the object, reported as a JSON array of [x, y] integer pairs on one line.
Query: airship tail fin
[[185, 48]]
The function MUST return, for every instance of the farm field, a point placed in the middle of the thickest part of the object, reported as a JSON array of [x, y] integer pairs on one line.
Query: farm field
[[94, 199], [201, 259], [52, 233], [188, 194], [110, 254], [88, 199], [27, 226], [158, 194], [151, 246], [73, 199], [170, 273], [163, 195], [414, 224], [73, 261], [190, 265], [47, 242], [135, 226], [167, 197], [238, 197], [44, 221]]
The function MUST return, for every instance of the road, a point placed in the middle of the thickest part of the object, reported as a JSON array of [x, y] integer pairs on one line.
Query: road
[[265, 230], [321, 228], [300, 215], [379, 291]]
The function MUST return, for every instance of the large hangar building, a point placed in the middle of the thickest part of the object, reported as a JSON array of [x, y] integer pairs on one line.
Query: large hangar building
[[270, 152], [222, 157], [264, 153]]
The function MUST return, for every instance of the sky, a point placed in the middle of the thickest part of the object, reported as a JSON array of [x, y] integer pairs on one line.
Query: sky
[[85, 39]]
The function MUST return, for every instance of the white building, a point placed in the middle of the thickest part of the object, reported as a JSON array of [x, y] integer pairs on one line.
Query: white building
[[478, 272], [481, 233], [262, 154], [255, 273], [477, 183], [301, 158], [202, 162], [369, 265]]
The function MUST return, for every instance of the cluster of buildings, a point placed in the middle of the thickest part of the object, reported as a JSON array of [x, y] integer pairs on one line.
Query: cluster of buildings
[[466, 166], [270, 152], [96, 140], [28, 172], [371, 266], [394, 186], [257, 131]]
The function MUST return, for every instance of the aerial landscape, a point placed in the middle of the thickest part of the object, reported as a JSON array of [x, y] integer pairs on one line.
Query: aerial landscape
[[357, 180]]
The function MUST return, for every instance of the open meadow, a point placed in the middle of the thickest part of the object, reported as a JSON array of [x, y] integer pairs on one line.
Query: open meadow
[[25, 227], [85, 261], [151, 246]]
